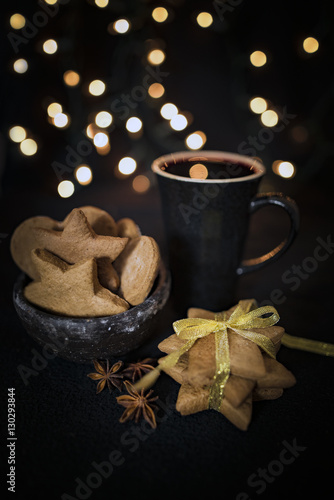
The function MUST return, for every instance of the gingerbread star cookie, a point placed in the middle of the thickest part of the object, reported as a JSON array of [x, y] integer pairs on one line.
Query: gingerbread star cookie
[[71, 290], [127, 228], [101, 222]]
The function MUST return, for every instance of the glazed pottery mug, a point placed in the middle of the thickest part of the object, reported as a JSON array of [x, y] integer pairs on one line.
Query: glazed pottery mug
[[207, 199]]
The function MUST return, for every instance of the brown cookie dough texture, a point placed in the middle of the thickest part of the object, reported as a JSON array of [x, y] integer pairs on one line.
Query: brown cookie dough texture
[[138, 267]]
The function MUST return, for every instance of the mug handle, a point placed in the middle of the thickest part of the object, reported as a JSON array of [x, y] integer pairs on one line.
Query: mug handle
[[279, 200]]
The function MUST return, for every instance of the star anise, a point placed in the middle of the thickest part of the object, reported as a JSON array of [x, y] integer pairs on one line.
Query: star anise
[[107, 375], [138, 405], [134, 371]]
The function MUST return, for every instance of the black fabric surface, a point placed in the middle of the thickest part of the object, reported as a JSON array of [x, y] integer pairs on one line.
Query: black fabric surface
[[63, 428]]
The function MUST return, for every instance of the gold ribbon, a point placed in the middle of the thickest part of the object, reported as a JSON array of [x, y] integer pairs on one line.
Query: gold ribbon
[[241, 321]]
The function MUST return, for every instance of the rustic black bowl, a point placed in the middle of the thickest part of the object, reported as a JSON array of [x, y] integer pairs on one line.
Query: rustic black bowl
[[84, 339]]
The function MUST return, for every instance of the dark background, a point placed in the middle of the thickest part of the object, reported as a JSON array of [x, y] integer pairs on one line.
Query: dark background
[[62, 426]]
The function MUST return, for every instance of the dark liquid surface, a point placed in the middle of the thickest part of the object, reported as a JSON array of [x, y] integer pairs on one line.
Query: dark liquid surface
[[209, 170]]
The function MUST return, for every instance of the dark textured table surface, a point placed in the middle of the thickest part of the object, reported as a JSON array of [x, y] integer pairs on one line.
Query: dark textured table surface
[[64, 430]]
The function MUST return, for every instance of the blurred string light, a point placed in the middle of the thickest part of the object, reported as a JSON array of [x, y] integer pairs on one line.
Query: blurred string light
[[17, 133], [141, 184], [269, 118], [133, 124], [160, 14], [310, 45], [168, 110], [83, 175], [127, 165], [20, 66], [100, 139], [28, 147], [156, 90], [101, 3], [284, 169], [258, 105], [156, 57], [17, 21], [50, 46], [71, 78], [198, 171], [178, 122], [51, 2], [61, 120], [54, 108], [204, 19], [103, 119], [96, 87], [196, 140], [65, 189], [258, 58], [121, 26]]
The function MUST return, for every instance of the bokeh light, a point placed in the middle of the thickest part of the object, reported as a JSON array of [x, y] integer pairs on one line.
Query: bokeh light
[[28, 147], [286, 169], [127, 165], [198, 171], [61, 120], [17, 133], [83, 175], [196, 140], [101, 139], [269, 118], [96, 87], [204, 19], [310, 45], [156, 57], [141, 184], [65, 189], [54, 108], [101, 3], [160, 14], [50, 46], [71, 78], [258, 58], [133, 124], [17, 21], [103, 119], [168, 110], [178, 122], [156, 90], [258, 105], [51, 2], [121, 26]]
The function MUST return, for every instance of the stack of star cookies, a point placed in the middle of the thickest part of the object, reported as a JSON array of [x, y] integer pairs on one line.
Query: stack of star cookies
[[87, 265], [254, 375]]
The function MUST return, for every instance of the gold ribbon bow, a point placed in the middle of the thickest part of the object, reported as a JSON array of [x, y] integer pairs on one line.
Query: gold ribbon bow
[[241, 321]]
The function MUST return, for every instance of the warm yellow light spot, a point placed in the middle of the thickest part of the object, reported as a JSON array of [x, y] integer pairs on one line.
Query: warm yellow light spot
[[168, 110], [258, 58], [17, 133], [198, 171], [101, 139], [160, 14], [71, 78], [269, 118], [103, 151], [54, 108], [83, 175], [286, 169], [65, 189], [103, 119], [17, 21], [141, 183], [90, 130], [310, 45], [156, 90], [258, 105], [96, 87], [204, 19], [101, 3], [121, 26], [156, 57], [20, 66], [28, 147], [50, 46], [127, 165], [51, 2], [61, 120], [178, 122], [196, 140], [133, 124]]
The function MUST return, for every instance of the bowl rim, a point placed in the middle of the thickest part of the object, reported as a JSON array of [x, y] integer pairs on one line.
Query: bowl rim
[[163, 280]]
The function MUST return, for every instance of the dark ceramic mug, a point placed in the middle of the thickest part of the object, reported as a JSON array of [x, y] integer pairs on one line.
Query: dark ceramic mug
[[206, 224]]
